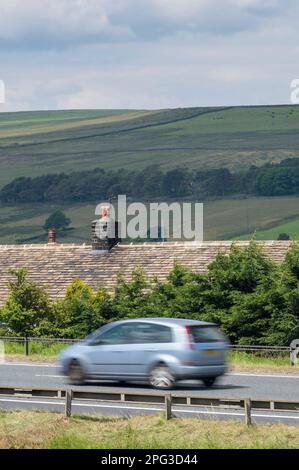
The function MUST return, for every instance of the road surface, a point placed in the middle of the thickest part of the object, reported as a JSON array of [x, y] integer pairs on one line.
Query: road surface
[[233, 385]]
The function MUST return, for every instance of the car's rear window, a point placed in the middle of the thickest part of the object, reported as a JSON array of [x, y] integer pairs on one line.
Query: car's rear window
[[151, 333], [206, 334]]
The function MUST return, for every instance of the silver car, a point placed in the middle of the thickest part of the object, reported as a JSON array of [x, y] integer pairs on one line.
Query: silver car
[[160, 351]]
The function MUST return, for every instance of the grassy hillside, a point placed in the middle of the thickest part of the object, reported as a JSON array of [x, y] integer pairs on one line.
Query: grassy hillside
[[34, 143], [223, 219], [290, 227]]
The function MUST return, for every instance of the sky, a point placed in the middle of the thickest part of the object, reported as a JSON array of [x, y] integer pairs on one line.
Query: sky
[[147, 54]]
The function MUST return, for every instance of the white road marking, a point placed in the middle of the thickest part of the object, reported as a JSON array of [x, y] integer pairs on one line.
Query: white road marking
[[29, 400], [53, 376], [275, 376], [227, 375], [143, 408], [17, 364], [254, 415]]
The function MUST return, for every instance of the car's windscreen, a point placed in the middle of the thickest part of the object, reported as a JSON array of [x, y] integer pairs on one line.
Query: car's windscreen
[[95, 335], [206, 334]]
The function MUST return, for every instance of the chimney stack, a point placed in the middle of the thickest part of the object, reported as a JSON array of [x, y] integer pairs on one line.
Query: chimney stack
[[52, 236], [105, 232]]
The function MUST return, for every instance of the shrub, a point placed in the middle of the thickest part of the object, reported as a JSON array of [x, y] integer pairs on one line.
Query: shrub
[[27, 305]]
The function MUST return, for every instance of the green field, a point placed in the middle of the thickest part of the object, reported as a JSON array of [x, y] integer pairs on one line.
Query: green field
[[223, 219], [35, 430], [291, 228], [35, 143]]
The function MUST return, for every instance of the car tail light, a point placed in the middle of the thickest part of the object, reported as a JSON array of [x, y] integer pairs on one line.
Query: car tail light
[[190, 338]]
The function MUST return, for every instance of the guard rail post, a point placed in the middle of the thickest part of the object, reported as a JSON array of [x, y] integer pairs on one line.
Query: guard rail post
[[168, 406], [68, 402], [26, 346], [247, 408], [294, 352]]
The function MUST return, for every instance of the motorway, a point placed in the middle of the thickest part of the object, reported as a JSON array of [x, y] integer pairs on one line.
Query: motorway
[[233, 385]]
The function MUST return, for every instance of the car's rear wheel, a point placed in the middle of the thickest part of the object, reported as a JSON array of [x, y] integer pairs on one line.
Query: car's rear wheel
[[76, 373], [209, 381], [161, 378]]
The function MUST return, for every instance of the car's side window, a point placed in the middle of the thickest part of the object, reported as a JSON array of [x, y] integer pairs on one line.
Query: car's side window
[[115, 335], [144, 333], [136, 333]]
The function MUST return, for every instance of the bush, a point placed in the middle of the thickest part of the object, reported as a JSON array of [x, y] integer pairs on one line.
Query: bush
[[283, 236], [26, 307], [57, 220], [81, 311]]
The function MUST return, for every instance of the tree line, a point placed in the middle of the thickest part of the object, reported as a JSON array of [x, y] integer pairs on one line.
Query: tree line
[[94, 185], [253, 299]]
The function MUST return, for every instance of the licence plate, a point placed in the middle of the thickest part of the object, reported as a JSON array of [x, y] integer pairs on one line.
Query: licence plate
[[211, 352]]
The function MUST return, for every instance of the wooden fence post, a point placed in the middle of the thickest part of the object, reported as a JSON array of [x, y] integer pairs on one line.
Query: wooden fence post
[[247, 408], [26, 346], [68, 403], [168, 406]]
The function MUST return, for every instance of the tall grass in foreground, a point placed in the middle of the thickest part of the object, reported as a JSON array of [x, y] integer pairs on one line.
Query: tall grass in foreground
[[49, 430]]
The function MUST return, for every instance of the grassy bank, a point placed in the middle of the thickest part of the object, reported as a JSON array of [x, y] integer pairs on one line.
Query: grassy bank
[[48, 430]]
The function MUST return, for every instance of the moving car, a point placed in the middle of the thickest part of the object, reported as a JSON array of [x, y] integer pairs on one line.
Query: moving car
[[160, 351]]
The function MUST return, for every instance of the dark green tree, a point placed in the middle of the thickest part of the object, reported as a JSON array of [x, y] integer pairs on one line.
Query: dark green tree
[[131, 297], [57, 220], [283, 236], [236, 280]]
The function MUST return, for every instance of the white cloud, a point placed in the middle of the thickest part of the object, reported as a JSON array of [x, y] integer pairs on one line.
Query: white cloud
[[57, 23], [147, 53]]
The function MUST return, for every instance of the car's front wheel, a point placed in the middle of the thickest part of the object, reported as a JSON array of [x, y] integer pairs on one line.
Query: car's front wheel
[[76, 373], [209, 381], [162, 378]]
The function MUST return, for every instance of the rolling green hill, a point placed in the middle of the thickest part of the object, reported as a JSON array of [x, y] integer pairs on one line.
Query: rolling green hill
[[35, 143]]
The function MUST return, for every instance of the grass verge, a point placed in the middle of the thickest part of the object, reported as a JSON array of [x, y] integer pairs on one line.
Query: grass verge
[[250, 362], [39, 349], [24, 429]]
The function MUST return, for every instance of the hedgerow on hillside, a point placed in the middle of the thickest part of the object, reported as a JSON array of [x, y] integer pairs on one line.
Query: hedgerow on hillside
[[253, 299], [85, 186]]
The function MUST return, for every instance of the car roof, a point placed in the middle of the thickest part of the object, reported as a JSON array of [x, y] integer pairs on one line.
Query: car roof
[[167, 321]]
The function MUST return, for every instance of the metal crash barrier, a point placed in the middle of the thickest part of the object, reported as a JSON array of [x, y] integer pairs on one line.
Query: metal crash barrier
[[165, 399]]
